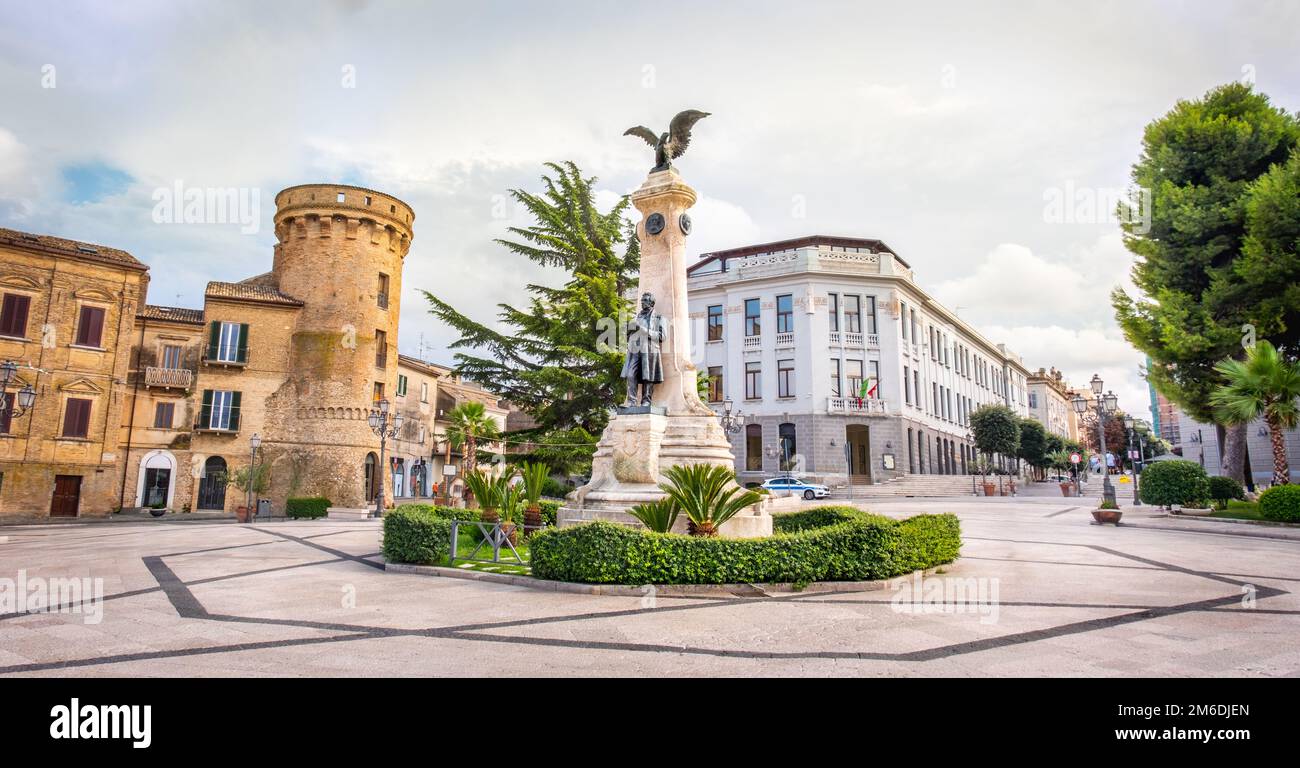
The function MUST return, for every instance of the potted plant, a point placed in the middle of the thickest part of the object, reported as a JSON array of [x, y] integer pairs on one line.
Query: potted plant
[[250, 479], [1060, 461], [1195, 507], [985, 467], [511, 498], [534, 477], [158, 509], [1107, 512], [486, 490]]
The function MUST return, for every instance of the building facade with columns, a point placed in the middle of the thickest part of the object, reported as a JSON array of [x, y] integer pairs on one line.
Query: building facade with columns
[[1049, 403], [845, 369]]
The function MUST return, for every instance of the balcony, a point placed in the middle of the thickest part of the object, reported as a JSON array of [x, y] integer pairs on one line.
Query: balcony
[[784, 340], [853, 406], [753, 342], [168, 378]]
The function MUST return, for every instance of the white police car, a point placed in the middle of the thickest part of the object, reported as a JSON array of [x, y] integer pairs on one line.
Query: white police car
[[798, 487]]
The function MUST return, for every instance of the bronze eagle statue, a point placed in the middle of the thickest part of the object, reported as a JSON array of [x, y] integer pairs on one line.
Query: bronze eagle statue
[[672, 144]]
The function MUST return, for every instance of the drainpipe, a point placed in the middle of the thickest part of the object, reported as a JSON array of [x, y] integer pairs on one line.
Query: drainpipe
[[130, 425]]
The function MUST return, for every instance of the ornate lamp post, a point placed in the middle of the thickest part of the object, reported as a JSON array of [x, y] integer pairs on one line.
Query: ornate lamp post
[[254, 443], [1106, 404], [24, 399], [385, 425], [731, 424], [1133, 433]]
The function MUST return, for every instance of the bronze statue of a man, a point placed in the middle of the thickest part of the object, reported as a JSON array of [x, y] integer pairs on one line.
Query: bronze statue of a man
[[644, 368]]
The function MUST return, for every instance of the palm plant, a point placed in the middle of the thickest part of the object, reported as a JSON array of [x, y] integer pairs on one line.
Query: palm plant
[[534, 476], [468, 423], [659, 516], [708, 494], [487, 490], [1264, 385]]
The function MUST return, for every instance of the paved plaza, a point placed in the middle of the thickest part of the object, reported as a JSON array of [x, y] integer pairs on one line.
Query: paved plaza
[[311, 598]]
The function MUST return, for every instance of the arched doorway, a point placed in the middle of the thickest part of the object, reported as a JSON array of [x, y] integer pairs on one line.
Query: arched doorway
[[372, 477], [156, 483], [212, 485], [789, 449], [753, 448], [857, 451]]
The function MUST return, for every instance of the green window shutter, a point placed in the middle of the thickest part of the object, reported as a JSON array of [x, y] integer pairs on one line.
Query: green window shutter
[[241, 356], [205, 414], [234, 411], [214, 339]]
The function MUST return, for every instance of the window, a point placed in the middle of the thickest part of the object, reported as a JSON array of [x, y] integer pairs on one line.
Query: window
[[873, 368], [754, 447], [76, 418], [379, 391], [753, 381], [752, 325], [171, 357], [911, 458], [1033, 399], [914, 325], [853, 314], [786, 437], [934, 344], [785, 378], [381, 350], [424, 391], [228, 342], [907, 385], [381, 294], [13, 315], [7, 415], [715, 322], [715, 384], [401, 385], [916, 387], [835, 378], [920, 452], [90, 327], [903, 313], [163, 415], [220, 410], [834, 310], [871, 314], [934, 398], [853, 370], [785, 313]]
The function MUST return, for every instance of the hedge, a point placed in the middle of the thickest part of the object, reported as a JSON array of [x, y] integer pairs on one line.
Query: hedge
[[821, 544], [308, 508], [1224, 489], [416, 533], [1177, 481], [1281, 503]]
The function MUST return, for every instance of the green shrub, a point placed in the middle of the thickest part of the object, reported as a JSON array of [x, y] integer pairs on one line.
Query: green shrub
[[1174, 482], [550, 512], [414, 533], [1281, 503], [307, 508], [555, 489], [1224, 489], [823, 544]]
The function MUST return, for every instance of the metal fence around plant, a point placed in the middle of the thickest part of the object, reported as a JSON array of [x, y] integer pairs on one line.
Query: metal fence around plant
[[498, 538]]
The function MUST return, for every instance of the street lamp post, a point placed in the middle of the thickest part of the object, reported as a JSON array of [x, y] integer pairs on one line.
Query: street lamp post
[[254, 443], [1132, 432], [23, 400], [385, 425], [1106, 404], [731, 424]]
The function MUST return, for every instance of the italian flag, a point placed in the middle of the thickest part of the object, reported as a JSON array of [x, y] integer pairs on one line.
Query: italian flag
[[868, 388]]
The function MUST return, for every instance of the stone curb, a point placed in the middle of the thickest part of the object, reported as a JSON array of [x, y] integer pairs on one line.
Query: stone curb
[[1230, 520], [660, 590]]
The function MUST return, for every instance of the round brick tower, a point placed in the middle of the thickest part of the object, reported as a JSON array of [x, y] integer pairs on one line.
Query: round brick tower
[[339, 249]]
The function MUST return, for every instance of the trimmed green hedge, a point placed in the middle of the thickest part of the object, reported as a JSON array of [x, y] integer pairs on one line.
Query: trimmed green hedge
[[1224, 489], [416, 533], [308, 508], [821, 544], [1281, 503], [1178, 481]]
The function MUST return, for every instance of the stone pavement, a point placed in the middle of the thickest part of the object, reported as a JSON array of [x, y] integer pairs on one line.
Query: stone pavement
[[310, 598]]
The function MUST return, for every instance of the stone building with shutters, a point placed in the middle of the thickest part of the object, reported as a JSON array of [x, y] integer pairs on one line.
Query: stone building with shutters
[[67, 316]]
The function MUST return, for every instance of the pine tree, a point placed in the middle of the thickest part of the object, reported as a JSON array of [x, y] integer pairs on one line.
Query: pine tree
[[550, 360], [1198, 162]]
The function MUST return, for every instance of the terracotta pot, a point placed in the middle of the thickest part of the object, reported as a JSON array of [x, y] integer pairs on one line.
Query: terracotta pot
[[1066, 489], [1107, 515], [241, 514], [990, 489], [532, 520], [510, 531]]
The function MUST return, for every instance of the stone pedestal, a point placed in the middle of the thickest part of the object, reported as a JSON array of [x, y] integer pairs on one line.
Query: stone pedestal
[[678, 428]]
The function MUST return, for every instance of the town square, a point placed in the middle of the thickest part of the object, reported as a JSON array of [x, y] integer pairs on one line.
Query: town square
[[385, 340]]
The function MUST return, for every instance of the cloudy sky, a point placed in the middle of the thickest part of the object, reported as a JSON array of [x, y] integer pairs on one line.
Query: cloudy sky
[[945, 129]]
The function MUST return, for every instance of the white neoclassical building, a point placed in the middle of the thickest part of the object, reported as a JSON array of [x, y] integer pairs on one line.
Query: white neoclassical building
[[790, 331]]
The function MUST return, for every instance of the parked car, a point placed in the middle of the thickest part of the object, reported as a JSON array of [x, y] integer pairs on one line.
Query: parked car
[[798, 487]]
